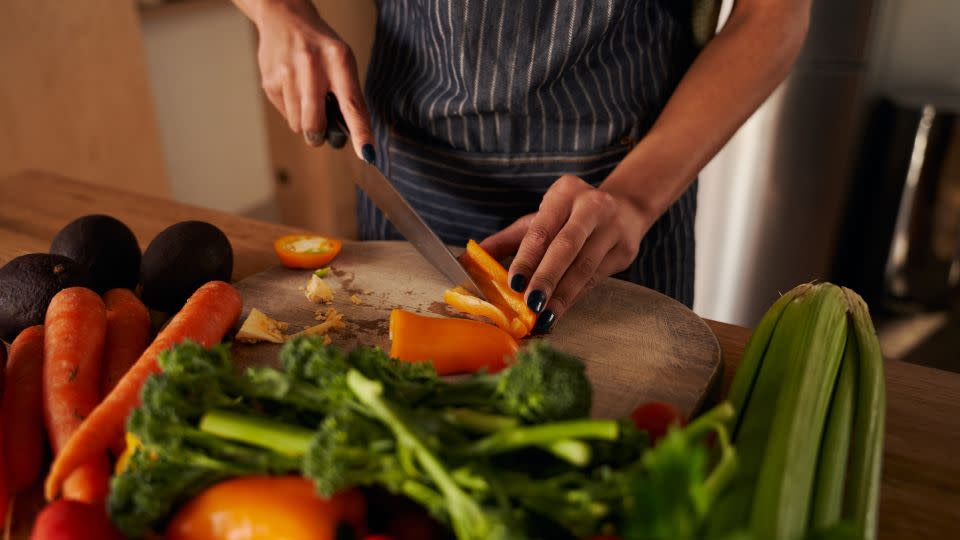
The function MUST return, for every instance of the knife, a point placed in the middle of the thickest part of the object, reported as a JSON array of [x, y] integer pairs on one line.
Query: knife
[[398, 210]]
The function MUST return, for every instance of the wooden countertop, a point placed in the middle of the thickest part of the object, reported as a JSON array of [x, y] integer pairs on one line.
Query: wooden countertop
[[920, 497]]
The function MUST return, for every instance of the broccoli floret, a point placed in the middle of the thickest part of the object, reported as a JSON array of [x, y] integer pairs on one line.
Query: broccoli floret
[[543, 385], [348, 450], [307, 359]]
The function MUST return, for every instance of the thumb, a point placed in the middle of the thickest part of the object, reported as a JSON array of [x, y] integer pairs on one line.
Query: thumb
[[501, 245]]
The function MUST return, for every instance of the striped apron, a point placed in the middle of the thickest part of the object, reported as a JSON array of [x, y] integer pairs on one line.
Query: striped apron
[[478, 106]]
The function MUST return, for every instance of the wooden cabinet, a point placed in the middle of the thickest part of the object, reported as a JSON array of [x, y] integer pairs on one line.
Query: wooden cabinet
[[75, 99]]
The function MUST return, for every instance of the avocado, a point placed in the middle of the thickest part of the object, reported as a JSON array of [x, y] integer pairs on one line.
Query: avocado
[[180, 259], [105, 246], [28, 283]]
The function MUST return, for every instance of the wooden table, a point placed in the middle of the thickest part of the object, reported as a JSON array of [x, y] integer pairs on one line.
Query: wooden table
[[921, 477]]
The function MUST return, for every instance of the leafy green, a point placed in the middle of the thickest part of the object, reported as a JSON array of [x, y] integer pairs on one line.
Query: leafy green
[[510, 455], [674, 485]]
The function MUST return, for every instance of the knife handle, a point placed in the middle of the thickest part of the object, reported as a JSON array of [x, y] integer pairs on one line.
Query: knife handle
[[337, 131]]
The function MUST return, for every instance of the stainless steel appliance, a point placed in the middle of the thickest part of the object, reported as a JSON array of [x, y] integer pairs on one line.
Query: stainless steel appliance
[[772, 202]]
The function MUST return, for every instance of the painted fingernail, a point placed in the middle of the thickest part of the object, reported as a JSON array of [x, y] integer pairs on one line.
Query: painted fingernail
[[544, 322], [313, 138], [369, 154], [536, 300], [518, 282]]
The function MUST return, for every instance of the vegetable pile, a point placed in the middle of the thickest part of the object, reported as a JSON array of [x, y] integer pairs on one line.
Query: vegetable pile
[[505, 455]]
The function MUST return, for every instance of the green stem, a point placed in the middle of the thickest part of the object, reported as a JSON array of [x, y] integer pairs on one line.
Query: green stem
[[572, 451], [478, 422], [284, 438], [465, 515], [708, 421], [544, 434], [722, 474], [423, 495]]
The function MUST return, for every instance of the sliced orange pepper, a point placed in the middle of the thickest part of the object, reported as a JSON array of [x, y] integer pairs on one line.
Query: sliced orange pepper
[[491, 277], [462, 300], [517, 328], [266, 508], [453, 345], [306, 251]]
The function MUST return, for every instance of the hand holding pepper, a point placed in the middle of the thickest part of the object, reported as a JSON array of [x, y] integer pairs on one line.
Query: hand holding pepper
[[579, 236]]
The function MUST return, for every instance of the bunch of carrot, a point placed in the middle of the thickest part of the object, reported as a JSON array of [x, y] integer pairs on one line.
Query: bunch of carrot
[[74, 380]]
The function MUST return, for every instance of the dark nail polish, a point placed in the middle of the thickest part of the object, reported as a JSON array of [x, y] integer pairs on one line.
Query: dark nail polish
[[544, 322], [518, 282], [369, 154], [536, 300], [313, 138]]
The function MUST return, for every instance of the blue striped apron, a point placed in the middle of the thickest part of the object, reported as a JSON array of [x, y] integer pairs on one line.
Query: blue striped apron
[[480, 105]]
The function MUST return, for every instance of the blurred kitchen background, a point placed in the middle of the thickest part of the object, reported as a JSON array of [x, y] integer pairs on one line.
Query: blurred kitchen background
[[849, 173]]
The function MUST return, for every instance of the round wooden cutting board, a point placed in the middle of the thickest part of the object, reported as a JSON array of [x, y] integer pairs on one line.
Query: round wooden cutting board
[[639, 345]]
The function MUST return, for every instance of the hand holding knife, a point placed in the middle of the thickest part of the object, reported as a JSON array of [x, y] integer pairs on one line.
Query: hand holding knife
[[397, 209]]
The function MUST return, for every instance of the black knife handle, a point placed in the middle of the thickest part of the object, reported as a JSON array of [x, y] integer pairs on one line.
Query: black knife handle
[[337, 131]]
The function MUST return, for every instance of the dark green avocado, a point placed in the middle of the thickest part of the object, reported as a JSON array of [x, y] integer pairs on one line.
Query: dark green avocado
[[181, 259], [28, 283], [105, 246]]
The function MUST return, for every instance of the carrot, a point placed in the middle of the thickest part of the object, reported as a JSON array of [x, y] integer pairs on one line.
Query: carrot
[[90, 482], [74, 330], [24, 437], [128, 334], [205, 319]]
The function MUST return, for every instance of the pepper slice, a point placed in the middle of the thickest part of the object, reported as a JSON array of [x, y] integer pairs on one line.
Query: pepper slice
[[453, 345], [461, 300], [306, 251], [491, 277]]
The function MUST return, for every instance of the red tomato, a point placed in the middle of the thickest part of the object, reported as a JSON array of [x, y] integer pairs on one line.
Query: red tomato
[[73, 520], [654, 418]]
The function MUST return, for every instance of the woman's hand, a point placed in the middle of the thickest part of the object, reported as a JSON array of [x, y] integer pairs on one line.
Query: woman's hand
[[302, 59], [579, 236]]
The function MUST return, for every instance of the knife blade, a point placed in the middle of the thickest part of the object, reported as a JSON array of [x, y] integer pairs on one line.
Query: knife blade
[[413, 228], [393, 205]]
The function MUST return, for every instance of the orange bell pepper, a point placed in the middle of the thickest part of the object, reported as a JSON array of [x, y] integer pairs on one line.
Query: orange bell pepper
[[453, 345], [491, 277], [461, 300], [306, 251], [266, 508]]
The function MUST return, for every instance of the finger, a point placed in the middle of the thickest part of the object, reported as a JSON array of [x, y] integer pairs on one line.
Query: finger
[[346, 86], [502, 244], [313, 90], [291, 104], [336, 133], [275, 96], [546, 223], [588, 211], [582, 275]]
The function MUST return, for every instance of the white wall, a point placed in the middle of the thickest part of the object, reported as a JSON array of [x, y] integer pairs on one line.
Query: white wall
[[202, 64], [917, 46]]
